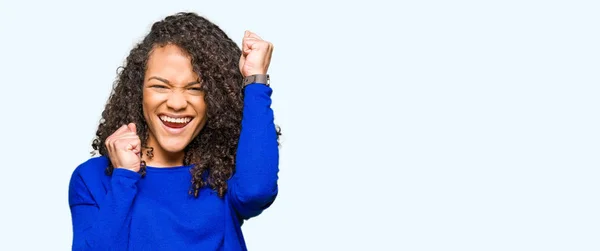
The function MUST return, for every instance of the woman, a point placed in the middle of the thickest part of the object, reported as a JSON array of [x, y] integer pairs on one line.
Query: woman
[[180, 167]]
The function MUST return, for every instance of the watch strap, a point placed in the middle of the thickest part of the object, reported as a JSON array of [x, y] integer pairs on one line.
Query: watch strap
[[257, 79]]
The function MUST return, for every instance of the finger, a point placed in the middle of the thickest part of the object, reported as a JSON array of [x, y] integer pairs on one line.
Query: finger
[[132, 127], [126, 135], [134, 146], [121, 129], [270, 48], [129, 144], [125, 140], [137, 149], [245, 51], [251, 43], [107, 144], [131, 148], [116, 133], [248, 33], [260, 45], [254, 35], [246, 44], [250, 40], [138, 146]]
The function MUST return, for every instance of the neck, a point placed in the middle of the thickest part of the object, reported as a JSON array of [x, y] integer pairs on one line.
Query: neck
[[162, 158], [164, 161]]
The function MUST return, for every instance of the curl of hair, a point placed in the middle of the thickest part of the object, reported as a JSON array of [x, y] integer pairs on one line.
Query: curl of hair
[[215, 58]]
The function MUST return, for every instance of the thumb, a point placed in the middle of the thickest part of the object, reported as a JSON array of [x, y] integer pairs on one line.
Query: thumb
[[132, 128]]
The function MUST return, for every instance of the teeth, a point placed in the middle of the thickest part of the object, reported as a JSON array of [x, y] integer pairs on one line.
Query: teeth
[[175, 120]]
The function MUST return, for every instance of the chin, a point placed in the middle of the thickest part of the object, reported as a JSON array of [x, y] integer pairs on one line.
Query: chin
[[173, 145]]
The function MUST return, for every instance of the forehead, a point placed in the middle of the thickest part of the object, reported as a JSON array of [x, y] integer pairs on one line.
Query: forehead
[[170, 62]]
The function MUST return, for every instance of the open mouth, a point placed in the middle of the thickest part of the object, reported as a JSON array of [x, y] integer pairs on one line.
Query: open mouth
[[175, 122]]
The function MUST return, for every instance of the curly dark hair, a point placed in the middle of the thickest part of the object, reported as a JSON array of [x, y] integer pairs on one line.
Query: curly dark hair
[[215, 58]]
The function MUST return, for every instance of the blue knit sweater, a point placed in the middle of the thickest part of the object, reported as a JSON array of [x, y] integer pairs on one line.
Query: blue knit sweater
[[127, 212]]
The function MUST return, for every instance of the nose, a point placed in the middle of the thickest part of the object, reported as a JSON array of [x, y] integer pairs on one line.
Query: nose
[[177, 101]]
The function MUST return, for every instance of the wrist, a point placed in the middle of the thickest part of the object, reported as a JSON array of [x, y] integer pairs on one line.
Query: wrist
[[126, 173]]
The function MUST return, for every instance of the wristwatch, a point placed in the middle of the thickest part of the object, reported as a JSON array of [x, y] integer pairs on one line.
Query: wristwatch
[[257, 79]]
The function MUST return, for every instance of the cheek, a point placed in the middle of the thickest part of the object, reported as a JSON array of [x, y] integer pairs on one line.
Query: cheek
[[150, 101], [150, 104], [199, 106], [145, 105]]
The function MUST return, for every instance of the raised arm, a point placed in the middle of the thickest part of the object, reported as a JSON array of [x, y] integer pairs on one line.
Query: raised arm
[[253, 187]]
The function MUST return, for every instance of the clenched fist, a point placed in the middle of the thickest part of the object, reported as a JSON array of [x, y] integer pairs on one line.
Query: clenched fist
[[256, 55], [124, 147]]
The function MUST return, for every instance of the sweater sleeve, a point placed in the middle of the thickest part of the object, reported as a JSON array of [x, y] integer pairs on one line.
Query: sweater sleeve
[[253, 187], [99, 216]]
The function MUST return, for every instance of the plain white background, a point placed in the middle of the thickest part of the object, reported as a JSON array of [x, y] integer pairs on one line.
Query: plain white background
[[411, 125]]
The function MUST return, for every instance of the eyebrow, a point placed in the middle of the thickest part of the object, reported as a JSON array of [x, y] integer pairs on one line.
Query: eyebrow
[[169, 83]]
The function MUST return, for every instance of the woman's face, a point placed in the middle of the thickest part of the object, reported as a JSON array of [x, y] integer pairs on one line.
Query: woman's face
[[173, 103]]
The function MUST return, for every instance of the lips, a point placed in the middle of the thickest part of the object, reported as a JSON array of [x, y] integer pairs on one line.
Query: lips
[[175, 121]]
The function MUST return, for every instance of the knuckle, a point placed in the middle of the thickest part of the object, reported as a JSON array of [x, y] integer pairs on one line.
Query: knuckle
[[118, 142]]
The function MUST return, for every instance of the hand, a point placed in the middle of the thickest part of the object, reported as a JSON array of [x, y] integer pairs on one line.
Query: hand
[[256, 55], [124, 147]]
